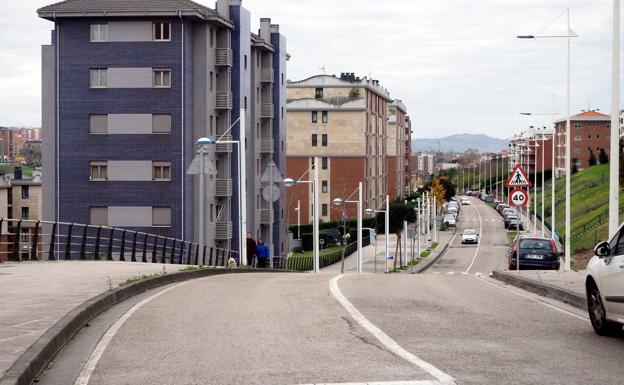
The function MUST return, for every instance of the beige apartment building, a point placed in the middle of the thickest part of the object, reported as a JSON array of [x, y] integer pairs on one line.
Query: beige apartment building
[[344, 121], [399, 149]]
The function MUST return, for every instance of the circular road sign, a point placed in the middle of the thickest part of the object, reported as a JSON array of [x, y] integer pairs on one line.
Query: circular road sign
[[518, 198]]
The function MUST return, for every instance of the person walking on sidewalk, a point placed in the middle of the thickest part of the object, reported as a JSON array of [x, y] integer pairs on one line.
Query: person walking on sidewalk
[[263, 253], [252, 251]]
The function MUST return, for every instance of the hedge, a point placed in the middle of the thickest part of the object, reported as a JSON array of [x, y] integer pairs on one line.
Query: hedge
[[351, 224], [305, 263]]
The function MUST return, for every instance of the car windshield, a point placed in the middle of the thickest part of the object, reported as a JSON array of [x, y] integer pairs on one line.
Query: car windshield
[[535, 244], [470, 232]]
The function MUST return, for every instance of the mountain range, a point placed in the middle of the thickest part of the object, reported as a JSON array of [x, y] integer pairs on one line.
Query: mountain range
[[460, 143]]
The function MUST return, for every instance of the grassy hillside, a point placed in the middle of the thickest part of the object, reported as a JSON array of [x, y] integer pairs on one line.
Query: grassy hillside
[[590, 198]]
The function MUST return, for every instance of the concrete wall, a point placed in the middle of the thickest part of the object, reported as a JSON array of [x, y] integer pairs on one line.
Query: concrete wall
[[48, 128]]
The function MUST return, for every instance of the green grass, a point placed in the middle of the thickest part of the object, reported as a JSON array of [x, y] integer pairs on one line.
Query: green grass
[[589, 209], [326, 251], [425, 254], [137, 278], [434, 245], [511, 235], [8, 168]]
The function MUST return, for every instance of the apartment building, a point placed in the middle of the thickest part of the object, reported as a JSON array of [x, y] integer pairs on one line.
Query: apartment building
[[129, 87], [344, 121], [399, 149], [529, 147], [590, 132]]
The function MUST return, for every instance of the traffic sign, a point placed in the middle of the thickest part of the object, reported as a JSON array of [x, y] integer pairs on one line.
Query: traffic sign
[[271, 174], [518, 178], [518, 198], [271, 193], [210, 167]]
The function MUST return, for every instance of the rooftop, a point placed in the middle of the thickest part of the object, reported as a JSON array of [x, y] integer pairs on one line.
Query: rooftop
[[592, 115], [346, 80]]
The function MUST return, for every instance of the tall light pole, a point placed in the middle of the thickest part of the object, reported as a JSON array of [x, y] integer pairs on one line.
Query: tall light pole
[[614, 167], [386, 228], [298, 210], [338, 202], [570, 34], [203, 144]]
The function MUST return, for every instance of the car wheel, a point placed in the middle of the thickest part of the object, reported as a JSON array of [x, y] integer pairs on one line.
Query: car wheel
[[597, 313]]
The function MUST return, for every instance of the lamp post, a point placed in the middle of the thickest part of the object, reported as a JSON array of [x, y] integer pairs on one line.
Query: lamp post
[[203, 144], [298, 210], [386, 228], [338, 202], [570, 34], [289, 182], [614, 167]]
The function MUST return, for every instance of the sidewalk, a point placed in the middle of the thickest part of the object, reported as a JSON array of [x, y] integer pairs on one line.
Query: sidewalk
[[35, 296], [565, 286]]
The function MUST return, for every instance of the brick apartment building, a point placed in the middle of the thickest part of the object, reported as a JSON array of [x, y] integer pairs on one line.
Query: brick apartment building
[[518, 145], [590, 132], [128, 89], [344, 121]]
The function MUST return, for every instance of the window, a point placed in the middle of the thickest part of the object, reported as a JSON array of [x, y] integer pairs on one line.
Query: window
[[577, 125], [597, 136], [211, 81], [314, 140], [162, 78], [99, 78], [98, 124], [312, 163], [161, 216], [25, 236], [98, 171], [161, 124], [324, 163], [161, 171], [325, 116], [25, 192], [211, 37], [324, 140], [318, 93], [577, 138], [314, 117], [99, 32], [162, 31], [98, 216], [282, 78], [588, 136], [245, 102], [324, 187], [25, 212], [577, 150], [245, 61], [324, 209]]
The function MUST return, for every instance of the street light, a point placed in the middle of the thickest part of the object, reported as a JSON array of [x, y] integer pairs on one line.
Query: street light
[[568, 36], [386, 228], [339, 202], [203, 144], [298, 210], [614, 167], [289, 182]]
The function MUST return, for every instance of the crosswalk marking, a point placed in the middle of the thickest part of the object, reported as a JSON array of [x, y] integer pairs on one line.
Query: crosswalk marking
[[456, 273]]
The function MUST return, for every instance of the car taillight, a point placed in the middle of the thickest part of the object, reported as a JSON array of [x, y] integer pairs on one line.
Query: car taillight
[[553, 246]]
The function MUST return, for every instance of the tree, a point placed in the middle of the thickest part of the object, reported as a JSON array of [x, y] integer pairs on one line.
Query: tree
[[31, 153], [592, 159], [574, 166], [437, 190], [399, 212], [603, 157]]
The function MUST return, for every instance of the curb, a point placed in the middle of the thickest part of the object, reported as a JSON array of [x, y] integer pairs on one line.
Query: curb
[[36, 358], [429, 261], [549, 291]]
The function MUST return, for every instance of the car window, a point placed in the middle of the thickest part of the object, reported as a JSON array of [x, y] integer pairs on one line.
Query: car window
[[535, 244], [617, 248]]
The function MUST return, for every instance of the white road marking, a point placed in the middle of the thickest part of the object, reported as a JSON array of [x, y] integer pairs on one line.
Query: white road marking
[[417, 382], [89, 366], [24, 323], [385, 339], [479, 240]]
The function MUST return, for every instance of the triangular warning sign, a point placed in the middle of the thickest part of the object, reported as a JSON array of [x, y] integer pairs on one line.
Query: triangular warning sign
[[518, 178]]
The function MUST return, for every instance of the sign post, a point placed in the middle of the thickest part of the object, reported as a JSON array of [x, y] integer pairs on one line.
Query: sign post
[[518, 197]]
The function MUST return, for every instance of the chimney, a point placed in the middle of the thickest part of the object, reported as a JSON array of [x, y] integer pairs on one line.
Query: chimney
[[265, 29]]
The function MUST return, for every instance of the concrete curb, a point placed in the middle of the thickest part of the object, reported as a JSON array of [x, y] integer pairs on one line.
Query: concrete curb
[[543, 289], [29, 365], [430, 260]]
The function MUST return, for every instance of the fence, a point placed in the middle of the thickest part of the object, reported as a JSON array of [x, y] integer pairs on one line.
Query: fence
[[28, 240]]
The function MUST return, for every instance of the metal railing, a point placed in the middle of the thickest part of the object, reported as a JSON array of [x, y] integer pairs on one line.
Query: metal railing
[[266, 146], [224, 100], [30, 240], [266, 75], [224, 57]]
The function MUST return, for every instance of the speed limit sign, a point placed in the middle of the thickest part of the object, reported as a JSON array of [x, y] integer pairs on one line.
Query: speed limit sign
[[518, 198]]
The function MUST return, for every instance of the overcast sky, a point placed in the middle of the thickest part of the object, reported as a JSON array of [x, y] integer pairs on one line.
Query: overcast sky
[[455, 63]]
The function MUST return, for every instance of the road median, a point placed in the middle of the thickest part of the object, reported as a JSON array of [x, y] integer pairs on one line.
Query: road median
[[435, 255]]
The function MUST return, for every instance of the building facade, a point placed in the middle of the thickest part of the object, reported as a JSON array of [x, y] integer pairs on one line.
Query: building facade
[[398, 151], [529, 147], [128, 88], [590, 132], [344, 121]]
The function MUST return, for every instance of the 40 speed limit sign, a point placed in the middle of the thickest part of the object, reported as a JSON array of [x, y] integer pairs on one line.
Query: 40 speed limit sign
[[518, 198]]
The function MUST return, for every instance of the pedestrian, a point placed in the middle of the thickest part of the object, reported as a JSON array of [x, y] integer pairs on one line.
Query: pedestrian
[[263, 253], [251, 250]]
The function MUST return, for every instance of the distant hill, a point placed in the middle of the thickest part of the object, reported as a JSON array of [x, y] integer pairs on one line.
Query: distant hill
[[460, 143]]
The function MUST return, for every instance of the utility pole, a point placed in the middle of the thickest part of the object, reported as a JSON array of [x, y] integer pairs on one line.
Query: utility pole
[[614, 168]]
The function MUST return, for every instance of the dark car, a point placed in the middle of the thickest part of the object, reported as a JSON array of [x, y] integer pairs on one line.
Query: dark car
[[333, 234], [535, 253]]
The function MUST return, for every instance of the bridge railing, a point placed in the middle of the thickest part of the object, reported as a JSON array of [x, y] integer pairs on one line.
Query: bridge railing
[[31, 240]]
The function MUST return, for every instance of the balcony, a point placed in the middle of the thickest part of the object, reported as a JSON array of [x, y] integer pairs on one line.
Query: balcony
[[224, 57], [224, 188], [266, 110], [265, 216], [224, 147], [266, 146], [266, 75], [224, 100], [223, 231]]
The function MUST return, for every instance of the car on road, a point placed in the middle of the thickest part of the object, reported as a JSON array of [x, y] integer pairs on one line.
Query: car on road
[[470, 236], [450, 220], [465, 201], [534, 253], [604, 285]]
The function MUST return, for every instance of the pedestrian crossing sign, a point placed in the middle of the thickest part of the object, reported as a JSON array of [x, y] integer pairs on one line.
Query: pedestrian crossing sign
[[518, 178]]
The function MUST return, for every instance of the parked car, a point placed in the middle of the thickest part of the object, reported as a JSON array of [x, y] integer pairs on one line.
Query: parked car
[[333, 234], [452, 210], [488, 198], [604, 285], [506, 211], [470, 236], [502, 206], [514, 223], [450, 220], [534, 253]]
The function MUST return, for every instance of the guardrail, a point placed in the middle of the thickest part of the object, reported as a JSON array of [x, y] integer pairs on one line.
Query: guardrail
[[30, 240]]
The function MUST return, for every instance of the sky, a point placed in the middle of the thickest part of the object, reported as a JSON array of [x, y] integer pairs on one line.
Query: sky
[[456, 64]]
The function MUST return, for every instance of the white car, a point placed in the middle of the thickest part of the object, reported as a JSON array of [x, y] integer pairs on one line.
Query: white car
[[470, 236], [604, 285], [452, 210], [450, 220], [465, 201]]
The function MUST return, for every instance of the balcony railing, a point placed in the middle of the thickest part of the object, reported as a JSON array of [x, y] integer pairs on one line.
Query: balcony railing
[[266, 110], [266, 146], [265, 216], [223, 231], [224, 100], [224, 147], [224, 188], [224, 57], [266, 75]]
